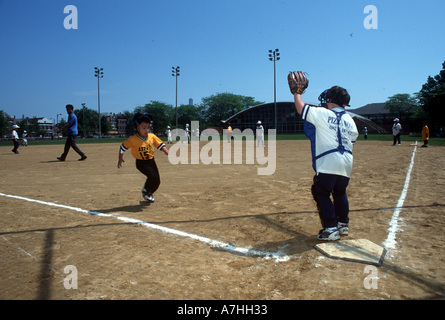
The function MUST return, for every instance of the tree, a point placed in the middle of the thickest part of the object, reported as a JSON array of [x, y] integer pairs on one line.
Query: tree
[[88, 121], [401, 104], [188, 113], [24, 125], [162, 114], [105, 125], [3, 123], [432, 99], [224, 105], [34, 128]]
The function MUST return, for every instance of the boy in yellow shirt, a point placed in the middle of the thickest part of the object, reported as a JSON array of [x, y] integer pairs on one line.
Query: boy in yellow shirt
[[142, 146], [425, 134]]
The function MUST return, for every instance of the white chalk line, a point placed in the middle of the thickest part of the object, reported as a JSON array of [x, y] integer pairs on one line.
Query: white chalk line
[[390, 242], [220, 245]]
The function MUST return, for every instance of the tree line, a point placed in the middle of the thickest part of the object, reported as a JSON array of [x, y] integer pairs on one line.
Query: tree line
[[426, 105], [209, 112]]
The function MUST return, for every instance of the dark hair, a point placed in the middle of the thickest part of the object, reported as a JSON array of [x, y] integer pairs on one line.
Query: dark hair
[[142, 117], [338, 95], [69, 106]]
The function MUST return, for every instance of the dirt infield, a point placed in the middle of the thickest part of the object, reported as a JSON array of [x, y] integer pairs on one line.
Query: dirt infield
[[119, 259]]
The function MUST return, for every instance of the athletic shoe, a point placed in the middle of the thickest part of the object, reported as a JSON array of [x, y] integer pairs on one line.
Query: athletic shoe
[[83, 158], [147, 196], [343, 229], [60, 159], [328, 235]]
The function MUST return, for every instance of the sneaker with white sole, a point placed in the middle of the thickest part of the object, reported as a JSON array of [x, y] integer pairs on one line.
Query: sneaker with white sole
[[329, 234], [148, 196], [343, 229]]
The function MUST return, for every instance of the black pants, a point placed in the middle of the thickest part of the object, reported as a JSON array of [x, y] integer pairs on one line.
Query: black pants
[[16, 146], [150, 170], [71, 143]]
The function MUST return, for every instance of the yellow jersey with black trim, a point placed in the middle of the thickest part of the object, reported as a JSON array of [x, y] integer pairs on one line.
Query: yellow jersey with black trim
[[142, 149]]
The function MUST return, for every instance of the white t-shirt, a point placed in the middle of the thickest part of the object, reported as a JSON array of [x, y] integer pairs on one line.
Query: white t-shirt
[[396, 129], [259, 131], [332, 134]]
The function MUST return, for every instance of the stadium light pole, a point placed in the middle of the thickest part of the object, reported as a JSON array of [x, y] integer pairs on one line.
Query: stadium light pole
[[59, 114], [83, 119], [175, 73], [98, 72], [52, 129], [274, 56]]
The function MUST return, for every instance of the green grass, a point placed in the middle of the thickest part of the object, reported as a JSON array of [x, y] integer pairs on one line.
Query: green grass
[[404, 138], [372, 137]]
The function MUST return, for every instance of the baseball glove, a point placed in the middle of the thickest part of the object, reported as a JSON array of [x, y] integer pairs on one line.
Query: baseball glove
[[298, 82]]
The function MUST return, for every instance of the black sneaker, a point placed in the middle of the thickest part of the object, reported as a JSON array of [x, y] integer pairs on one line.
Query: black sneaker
[[148, 196], [60, 159], [83, 158]]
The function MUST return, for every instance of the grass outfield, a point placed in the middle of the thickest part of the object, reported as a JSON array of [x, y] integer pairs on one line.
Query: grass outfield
[[372, 137]]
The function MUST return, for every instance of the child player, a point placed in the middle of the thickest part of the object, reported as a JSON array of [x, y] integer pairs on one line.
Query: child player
[[332, 133], [142, 146], [15, 138]]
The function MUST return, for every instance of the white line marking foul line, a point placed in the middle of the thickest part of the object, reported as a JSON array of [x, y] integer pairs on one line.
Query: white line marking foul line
[[220, 245], [390, 242]]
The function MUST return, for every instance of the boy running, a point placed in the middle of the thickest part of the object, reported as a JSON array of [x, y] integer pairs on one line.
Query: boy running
[[142, 146]]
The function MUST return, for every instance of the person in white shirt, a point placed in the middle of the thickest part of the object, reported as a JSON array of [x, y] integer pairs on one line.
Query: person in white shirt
[[332, 133], [259, 133], [15, 138], [168, 132], [25, 138], [187, 132], [396, 132]]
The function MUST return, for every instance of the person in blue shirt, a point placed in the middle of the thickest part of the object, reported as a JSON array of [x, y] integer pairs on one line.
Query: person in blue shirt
[[71, 132]]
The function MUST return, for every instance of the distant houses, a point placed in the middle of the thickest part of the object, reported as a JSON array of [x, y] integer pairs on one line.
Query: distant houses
[[47, 128]]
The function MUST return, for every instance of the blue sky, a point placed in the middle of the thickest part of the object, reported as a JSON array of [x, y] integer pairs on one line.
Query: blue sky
[[220, 46]]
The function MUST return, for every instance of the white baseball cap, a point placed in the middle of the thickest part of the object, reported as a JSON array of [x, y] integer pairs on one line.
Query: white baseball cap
[[15, 126]]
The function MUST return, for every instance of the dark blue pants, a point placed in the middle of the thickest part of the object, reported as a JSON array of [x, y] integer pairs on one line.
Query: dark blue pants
[[331, 212]]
